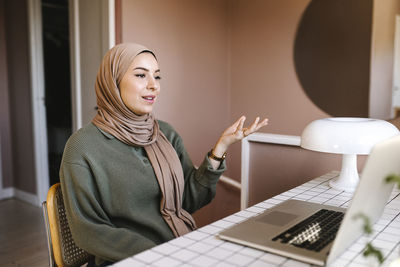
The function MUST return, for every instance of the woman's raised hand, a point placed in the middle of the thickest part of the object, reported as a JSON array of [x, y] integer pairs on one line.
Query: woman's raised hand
[[237, 132], [234, 133]]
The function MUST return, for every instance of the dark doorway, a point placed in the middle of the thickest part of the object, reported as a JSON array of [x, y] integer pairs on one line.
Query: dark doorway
[[57, 80]]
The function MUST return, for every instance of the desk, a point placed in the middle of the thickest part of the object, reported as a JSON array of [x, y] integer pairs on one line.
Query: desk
[[202, 248]]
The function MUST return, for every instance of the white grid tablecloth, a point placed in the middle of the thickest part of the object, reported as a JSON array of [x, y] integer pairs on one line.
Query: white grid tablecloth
[[202, 248]]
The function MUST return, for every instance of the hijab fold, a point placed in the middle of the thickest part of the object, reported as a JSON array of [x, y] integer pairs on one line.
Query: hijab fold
[[134, 130]]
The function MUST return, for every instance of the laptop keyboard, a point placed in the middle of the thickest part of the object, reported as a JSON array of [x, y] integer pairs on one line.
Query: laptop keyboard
[[315, 232]]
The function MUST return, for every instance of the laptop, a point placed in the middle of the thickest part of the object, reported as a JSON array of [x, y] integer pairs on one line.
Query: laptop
[[298, 229]]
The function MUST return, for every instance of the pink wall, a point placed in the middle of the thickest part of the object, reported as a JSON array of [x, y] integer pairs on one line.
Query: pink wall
[[263, 78], [190, 40]]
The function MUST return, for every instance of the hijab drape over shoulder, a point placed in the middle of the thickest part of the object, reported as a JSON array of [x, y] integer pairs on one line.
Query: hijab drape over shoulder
[[114, 117]]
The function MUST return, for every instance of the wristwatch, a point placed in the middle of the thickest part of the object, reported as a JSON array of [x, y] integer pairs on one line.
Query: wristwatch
[[211, 155]]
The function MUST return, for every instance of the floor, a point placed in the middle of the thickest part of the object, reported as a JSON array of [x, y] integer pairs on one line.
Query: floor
[[22, 235]]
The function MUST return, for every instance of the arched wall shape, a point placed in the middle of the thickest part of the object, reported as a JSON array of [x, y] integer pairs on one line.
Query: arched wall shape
[[332, 54]]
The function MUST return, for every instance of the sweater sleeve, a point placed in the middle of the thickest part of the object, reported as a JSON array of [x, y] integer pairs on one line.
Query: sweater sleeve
[[201, 182], [89, 223]]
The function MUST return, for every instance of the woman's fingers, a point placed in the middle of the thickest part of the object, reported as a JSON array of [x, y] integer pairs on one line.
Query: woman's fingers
[[233, 128], [239, 131], [247, 131], [239, 121], [255, 126], [262, 124]]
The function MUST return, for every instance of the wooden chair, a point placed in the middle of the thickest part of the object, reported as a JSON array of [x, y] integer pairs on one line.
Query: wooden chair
[[61, 247]]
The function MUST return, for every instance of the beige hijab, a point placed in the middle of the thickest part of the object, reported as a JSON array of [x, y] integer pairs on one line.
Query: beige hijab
[[115, 118]]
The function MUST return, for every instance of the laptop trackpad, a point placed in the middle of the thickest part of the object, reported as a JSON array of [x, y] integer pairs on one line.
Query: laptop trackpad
[[278, 218]]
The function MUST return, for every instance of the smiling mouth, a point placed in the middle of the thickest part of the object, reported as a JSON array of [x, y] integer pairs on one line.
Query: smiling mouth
[[149, 98]]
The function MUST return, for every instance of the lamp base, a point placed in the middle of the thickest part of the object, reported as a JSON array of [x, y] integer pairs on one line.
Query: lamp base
[[348, 178]]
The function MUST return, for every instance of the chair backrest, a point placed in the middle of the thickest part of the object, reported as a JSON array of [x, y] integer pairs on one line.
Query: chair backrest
[[62, 248]]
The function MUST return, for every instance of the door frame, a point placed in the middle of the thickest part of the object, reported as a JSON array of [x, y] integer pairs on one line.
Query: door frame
[[37, 78], [395, 110], [75, 60], [38, 99]]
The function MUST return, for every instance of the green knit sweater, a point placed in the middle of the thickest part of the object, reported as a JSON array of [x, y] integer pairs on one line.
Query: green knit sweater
[[112, 197]]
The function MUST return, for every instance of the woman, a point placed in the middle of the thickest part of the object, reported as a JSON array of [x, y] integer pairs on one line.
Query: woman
[[127, 180]]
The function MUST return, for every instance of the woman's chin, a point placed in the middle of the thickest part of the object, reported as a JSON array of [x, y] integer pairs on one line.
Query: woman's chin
[[142, 112]]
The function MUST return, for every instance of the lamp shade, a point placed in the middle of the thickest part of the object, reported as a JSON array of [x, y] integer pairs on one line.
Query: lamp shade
[[346, 135]]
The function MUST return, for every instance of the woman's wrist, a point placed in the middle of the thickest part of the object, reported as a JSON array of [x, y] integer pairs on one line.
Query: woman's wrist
[[212, 156], [219, 149], [217, 155]]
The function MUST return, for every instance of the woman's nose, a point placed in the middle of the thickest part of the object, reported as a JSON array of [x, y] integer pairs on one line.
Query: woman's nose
[[152, 84]]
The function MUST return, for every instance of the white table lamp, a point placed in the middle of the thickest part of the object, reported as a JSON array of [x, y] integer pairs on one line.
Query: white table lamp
[[347, 136]]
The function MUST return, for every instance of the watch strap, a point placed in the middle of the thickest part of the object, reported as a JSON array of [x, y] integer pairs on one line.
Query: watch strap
[[211, 155]]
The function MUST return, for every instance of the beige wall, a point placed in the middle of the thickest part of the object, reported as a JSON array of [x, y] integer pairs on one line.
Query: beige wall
[[20, 95], [190, 39], [263, 77], [382, 51]]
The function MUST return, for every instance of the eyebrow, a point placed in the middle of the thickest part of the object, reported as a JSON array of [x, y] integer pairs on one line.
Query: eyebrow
[[141, 68]]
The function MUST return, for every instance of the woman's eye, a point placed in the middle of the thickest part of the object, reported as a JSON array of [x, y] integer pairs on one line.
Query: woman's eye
[[140, 75], [158, 77]]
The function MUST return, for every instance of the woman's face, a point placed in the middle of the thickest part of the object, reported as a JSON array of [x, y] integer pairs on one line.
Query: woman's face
[[140, 85]]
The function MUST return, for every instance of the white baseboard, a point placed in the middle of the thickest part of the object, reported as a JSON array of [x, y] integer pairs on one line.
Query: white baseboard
[[26, 197], [19, 194], [6, 193], [230, 181]]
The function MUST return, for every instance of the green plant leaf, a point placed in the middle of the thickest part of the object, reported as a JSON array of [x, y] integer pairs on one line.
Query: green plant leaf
[[393, 178], [370, 250], [367, 224]]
